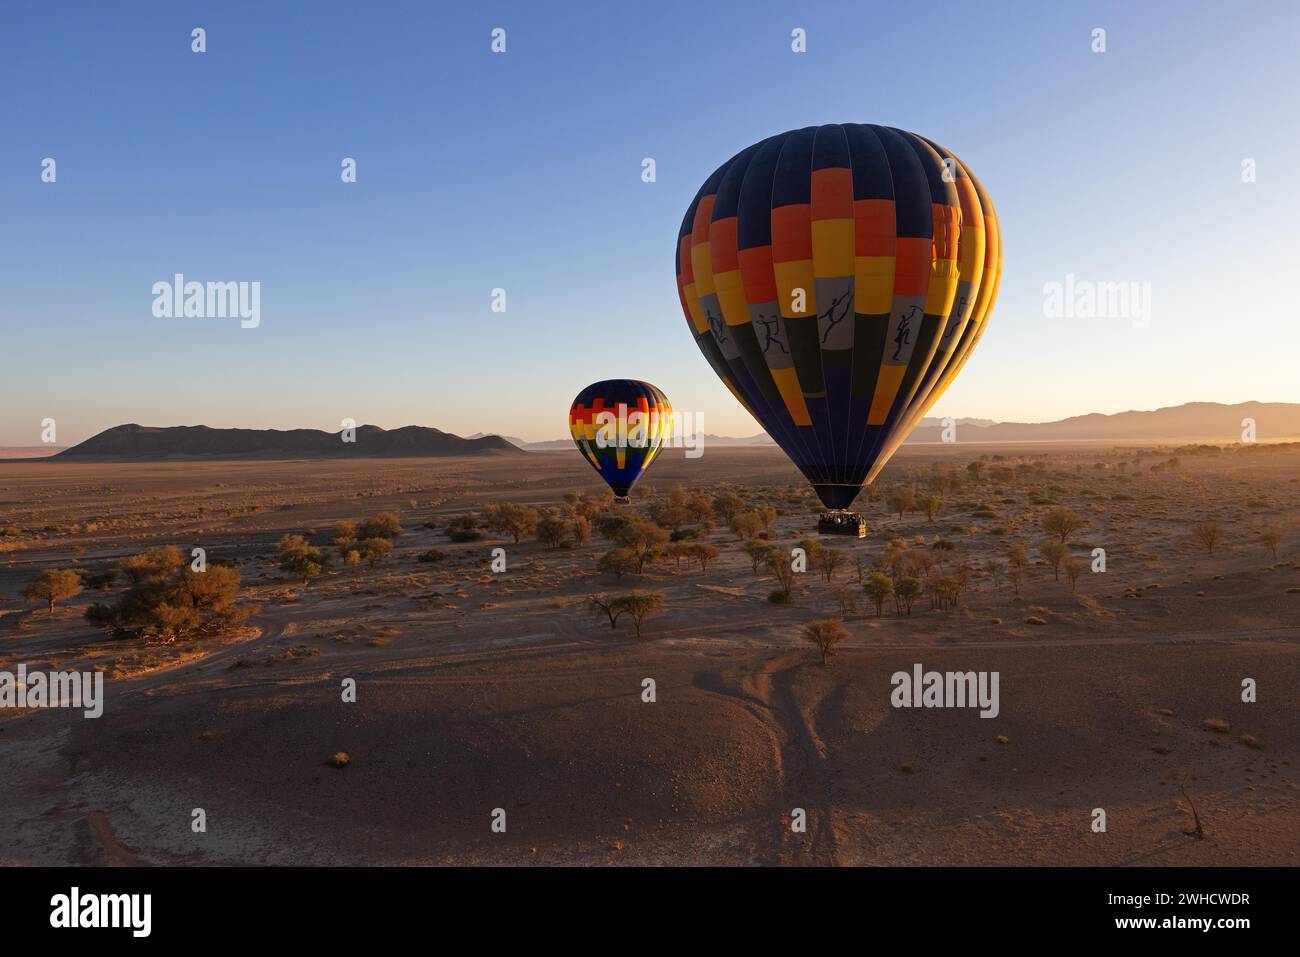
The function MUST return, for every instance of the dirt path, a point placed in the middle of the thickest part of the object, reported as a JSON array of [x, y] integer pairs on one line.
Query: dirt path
[[116, 853], [768, 693], [808, 782], [272, 627]]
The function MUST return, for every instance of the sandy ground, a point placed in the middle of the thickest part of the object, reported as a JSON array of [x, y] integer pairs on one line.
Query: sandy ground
[[480, 691]]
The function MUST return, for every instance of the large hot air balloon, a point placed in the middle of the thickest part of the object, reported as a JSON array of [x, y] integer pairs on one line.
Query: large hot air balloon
[[620, 425], [837, 278]]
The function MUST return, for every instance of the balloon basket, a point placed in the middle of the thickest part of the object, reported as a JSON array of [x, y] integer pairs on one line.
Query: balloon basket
[[622, 500], [839, 522]]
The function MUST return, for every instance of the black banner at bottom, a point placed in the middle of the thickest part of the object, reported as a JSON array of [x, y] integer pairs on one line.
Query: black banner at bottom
[[299, 905]]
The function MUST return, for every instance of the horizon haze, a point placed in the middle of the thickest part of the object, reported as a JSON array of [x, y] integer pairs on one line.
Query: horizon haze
[[1206, 422]]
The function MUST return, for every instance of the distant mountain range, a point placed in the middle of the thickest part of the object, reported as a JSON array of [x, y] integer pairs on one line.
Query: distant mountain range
[[200, 441], [1193, 422]]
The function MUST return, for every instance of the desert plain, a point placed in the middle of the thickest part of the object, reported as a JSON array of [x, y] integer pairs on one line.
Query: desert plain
[[489, 695]]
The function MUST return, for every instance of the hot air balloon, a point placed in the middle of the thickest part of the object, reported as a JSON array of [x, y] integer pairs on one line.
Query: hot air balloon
[[620, 425], [836, 278]]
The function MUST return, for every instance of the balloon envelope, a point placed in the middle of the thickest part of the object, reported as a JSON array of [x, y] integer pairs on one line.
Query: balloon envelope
[[620, 425], [836, 278]]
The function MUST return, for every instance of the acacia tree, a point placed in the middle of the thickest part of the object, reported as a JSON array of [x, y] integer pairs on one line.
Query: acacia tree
[[507, 518], [383, 525], [892, 559], [747, 524], [371, 550], [942, 591], [581, 528], [995, 571], [920, 563], [1054, 553], [727, 504], [1208, 534], [608, 607], [1072, 569], [639, 606], [643, 538], [1271, 539], [906, 590], [826, 560], [53, 585], [825, 634], [151, 563], [701, 507], [962, 575], [300, 558], [551, 529], [168, 599], [671, 515], [784, 574], [812, 547], [759, 552], [902, 501], [1017, 559], [702, 553], [1062, 522], [618, 562], [611, 525], [879, 587]]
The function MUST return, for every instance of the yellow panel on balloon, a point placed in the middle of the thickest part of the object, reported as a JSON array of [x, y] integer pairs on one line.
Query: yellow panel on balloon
[[787, 382], [943, 287], [887, 383], [731, 296], [832, 241], [791, 276], [698, 319], [874, 282], [972, 252], [702, 267]]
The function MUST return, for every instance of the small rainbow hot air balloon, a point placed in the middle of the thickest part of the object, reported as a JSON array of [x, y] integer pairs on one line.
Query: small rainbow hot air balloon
[[620, 425]]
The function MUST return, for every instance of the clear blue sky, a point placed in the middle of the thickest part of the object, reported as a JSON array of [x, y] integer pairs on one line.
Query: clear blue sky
[[522, 171]]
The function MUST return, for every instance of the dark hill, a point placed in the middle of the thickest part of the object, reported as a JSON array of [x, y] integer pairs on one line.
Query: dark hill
[[195, 441]]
